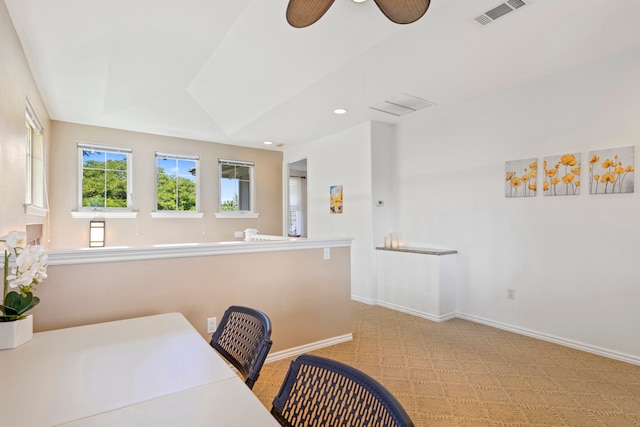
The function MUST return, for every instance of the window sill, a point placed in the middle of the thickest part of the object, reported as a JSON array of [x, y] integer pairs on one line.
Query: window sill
[[103, 214], [35, 210], [177, 214], [237, 214]]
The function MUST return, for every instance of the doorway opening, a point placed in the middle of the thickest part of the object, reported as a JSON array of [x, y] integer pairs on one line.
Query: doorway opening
[[297, 203]]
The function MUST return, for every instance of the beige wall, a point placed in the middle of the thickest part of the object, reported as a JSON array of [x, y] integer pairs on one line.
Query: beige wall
[[307, 298], [67, 232], [16, 86]]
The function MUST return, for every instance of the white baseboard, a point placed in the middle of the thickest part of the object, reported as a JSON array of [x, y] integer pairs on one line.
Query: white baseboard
[[554, 339], [432, 317], [295, 351], [363, 300]]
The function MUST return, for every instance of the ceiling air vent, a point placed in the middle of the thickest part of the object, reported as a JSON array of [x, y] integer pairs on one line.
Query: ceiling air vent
[[500, 10], [401, 105]]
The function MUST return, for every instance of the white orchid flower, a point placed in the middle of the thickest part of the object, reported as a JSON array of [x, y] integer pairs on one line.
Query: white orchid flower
[[15, 240], [24, 267], [28, 269]]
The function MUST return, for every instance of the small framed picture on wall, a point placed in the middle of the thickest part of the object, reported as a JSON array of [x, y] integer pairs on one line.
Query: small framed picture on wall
[[521, 178], [611, 171], [561, 175], [335, 199]]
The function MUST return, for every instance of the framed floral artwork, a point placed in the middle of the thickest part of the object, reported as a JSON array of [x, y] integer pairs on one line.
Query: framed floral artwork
[[611, 171], [561, 175], [335, 199], [521, 178]]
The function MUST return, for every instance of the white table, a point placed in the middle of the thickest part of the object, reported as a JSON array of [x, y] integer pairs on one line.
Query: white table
[[148, 371]]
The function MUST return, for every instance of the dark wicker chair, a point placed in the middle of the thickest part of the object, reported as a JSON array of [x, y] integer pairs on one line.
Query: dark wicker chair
[[322, 392], [243, 338]]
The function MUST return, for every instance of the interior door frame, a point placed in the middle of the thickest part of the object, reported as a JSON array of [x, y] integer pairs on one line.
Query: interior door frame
[[286, 198]]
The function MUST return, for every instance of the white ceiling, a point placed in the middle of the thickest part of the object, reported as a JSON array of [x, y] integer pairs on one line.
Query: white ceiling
[[235, 72]]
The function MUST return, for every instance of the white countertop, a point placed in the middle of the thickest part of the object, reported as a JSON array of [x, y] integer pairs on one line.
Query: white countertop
[[178, 250], [422, 251]]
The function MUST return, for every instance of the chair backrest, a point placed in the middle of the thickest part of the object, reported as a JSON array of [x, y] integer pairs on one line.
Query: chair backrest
[[322, 392], [243, 338]]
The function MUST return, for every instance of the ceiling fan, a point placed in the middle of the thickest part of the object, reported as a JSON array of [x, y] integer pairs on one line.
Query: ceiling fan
[[302, 13]]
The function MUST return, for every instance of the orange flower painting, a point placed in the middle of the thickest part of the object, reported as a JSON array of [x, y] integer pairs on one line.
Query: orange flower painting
[[335, 199], [562, 175], [611, 171], [521, 178]]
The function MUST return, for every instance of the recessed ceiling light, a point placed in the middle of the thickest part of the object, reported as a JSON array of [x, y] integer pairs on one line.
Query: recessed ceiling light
[[268, 143], [359, 1], [340, 111]]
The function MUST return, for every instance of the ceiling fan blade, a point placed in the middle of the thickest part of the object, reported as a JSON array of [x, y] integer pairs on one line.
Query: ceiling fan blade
[[403, 11], [302, 13]]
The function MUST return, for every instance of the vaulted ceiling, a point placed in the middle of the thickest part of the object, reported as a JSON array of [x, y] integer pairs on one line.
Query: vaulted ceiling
[[235, 72]]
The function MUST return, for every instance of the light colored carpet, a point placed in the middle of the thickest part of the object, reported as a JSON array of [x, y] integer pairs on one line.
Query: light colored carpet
[[460, 373]]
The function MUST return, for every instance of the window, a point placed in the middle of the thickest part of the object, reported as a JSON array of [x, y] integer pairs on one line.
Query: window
[[105, 183], [35, 198], [236, 188], [176, 183]]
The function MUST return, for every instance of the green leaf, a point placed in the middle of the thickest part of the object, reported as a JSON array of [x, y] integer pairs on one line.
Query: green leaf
[[15, 304]]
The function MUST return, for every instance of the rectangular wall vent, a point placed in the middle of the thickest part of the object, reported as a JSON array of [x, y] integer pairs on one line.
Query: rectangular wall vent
[[401, 105], [500, 11]]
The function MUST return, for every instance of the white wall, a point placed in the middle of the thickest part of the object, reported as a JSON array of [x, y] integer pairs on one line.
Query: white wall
[[383, 149], [383, 159], [342, 158], [572, 260]]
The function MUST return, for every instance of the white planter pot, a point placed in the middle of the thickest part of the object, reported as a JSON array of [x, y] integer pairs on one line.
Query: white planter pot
[[13, 334]]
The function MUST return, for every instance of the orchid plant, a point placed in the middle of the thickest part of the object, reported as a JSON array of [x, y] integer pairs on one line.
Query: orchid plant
[[25, 266]]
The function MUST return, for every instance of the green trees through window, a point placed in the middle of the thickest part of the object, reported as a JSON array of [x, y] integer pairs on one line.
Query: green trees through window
[[106, 182], [104, 179], [176, 183]]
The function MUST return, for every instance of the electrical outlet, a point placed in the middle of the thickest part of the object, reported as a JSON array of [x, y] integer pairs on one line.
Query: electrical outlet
[[511, 293], [211, 325], [327, 254], [238, 234]]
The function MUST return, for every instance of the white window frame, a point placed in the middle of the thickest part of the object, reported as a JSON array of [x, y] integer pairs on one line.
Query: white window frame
[[36, 192], [84, 212], [177, 213], [251, 213]]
